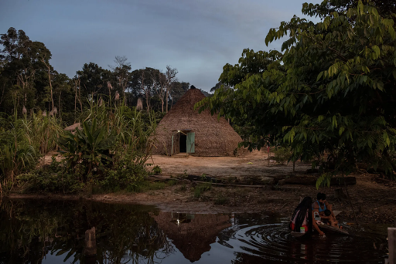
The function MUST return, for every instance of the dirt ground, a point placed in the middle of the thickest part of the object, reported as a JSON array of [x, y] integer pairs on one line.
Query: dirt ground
[[253, 163], [373, 200]]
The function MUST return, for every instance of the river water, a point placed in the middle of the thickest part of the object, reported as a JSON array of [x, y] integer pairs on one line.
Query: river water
[[41, 231]]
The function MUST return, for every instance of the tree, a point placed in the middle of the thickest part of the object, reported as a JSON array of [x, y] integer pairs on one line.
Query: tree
[[22, 60], [48, 66], [143, 83], [170, 75], [160, 82], [92, 80], [332, 91], [218, 86], [178, 90], [122, 73], [62, 85]]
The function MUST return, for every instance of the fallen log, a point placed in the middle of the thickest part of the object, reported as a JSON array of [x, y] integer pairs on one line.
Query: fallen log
[[337, 181]]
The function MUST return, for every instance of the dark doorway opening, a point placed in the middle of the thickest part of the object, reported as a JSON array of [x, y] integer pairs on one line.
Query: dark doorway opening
[[183, 143]]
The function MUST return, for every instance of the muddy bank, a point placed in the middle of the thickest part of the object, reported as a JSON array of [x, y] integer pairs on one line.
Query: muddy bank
[[372, 202]]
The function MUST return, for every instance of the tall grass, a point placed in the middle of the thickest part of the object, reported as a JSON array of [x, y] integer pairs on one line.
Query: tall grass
[[22, 142], [112, 147], [43, 132], [90, 151], [131, 129]]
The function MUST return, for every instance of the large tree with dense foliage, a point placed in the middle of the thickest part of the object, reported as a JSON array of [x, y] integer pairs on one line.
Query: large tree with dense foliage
[[22, 60], [331, 91]]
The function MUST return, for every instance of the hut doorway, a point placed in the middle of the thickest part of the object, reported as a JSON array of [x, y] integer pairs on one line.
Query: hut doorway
[[183, 143]]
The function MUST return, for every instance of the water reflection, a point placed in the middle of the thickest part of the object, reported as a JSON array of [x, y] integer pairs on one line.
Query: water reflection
[[39, 231], [30, 230], [192, 234]]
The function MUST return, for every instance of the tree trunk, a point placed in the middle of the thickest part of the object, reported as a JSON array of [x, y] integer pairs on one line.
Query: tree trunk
[[125, 99], [59, 105], [75, 102], [166, 98], [79, 91], [147, 102], [49, 81]]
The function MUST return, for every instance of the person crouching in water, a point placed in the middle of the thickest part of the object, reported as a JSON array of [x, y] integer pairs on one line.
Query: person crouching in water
[[304, 217], [325, 211]]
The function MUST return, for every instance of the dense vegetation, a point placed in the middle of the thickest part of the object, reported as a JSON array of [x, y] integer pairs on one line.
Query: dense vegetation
[[329, 94], [117, 110]]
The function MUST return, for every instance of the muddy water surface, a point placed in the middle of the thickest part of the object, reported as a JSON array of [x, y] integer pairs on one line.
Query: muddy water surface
[[39, 231]]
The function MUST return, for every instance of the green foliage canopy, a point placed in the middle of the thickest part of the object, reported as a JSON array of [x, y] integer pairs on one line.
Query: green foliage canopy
[[332, 90]]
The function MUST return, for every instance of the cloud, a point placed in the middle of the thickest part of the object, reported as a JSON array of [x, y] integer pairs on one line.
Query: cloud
[[198, 37]]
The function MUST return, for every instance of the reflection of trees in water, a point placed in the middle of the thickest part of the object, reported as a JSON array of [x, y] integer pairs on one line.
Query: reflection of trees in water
[[30, 230]]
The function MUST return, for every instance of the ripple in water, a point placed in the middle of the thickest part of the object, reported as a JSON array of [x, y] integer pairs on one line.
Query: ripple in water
[[253, 243]]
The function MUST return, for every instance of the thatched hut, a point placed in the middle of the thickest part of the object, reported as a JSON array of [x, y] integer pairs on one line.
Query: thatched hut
[[185, 130]]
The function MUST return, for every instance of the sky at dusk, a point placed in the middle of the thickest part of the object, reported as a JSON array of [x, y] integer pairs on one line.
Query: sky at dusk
[[198, 37]]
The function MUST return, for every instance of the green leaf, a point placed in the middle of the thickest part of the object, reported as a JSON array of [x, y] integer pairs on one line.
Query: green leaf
[[319, 76], [377, 51]]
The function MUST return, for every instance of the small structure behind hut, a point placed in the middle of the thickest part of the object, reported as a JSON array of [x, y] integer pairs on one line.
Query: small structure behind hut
[[73, 128], [185, 130]]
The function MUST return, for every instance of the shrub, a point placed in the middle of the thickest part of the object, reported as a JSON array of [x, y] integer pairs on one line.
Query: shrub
[[126, 176], [182, 188], [200, 189], [88, 148], [157, 170], [221, 199], [282, 154], [50, 178]]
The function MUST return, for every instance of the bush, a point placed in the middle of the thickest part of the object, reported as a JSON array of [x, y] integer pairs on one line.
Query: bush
[[88, 147], [157, 170], [129, 177], [50, 178], [282, 154], [221, 199], [200, 189]]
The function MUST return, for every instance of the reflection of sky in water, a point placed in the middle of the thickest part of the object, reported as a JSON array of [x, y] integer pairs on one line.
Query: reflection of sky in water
[[221, 238], [53, 258]]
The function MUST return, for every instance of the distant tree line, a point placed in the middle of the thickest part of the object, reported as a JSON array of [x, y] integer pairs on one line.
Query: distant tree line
[[29, 83]]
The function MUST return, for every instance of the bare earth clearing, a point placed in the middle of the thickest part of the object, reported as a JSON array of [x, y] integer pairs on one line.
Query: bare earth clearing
[[373, 199]]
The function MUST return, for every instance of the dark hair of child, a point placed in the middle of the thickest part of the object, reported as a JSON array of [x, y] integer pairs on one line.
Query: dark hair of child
[[302, 209], [321, 196]]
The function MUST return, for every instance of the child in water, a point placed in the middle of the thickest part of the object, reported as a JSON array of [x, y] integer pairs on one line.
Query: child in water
[[303, 217], [324, 209]]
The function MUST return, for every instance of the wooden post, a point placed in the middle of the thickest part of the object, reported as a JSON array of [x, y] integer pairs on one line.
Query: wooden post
[[392, 244], [90, 242], [294, 166]]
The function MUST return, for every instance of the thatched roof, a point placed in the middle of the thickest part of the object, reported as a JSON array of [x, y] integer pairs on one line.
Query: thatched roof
[[213, 136], [73, 127]]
